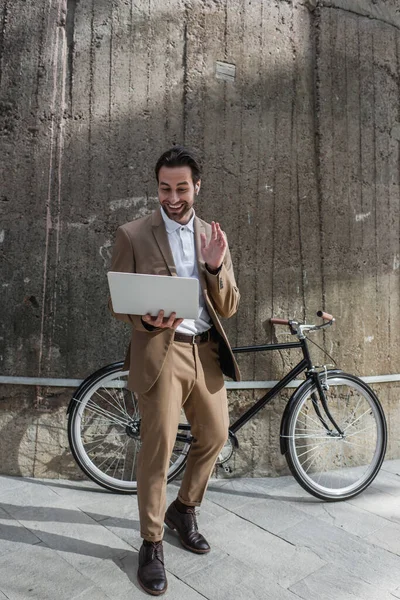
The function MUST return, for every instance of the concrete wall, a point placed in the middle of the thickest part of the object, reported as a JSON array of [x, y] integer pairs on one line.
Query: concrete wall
[[301, 167]]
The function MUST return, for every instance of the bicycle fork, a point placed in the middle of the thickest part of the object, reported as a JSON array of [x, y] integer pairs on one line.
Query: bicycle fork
[[317, 381], [322, 398]]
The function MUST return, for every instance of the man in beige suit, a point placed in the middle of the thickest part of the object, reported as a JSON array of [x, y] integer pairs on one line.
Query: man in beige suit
[[175, 362]]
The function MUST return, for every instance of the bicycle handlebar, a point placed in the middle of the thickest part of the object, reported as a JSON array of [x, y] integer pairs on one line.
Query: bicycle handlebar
[[324, 315], [279, 321]]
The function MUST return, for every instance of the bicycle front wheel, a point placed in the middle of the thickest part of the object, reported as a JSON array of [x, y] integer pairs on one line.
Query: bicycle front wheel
[[329, 465], [104, 432]]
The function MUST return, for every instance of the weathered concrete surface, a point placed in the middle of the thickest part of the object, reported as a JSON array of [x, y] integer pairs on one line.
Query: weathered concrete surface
[[300, 166]]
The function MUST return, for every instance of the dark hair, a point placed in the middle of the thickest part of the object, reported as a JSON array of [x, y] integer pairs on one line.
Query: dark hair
[[179, 156]]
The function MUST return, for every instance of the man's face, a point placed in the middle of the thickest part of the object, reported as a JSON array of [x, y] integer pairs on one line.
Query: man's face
[[176, 192]]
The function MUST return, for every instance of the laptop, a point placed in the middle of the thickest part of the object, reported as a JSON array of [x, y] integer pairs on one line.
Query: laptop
[[139, 294]]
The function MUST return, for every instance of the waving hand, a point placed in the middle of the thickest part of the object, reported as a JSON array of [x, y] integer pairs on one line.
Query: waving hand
[[213, 253]]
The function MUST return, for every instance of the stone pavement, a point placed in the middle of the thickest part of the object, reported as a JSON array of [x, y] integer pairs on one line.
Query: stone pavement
[[270, 540]]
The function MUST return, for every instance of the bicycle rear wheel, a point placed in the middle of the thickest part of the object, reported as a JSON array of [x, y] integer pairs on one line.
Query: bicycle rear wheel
[[328, 465], [104, 432]]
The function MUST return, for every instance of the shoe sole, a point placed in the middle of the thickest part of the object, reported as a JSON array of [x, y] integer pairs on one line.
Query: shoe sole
[[171, 525], [152, 592]]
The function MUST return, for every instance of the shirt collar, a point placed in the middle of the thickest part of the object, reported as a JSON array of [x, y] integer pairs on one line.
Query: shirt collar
[[172, 226]]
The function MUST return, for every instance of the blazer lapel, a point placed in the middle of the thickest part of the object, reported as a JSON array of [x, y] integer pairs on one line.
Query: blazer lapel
[[198, 229], [161, 237]]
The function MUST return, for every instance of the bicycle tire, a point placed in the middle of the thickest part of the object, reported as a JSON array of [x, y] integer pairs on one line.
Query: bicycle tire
[[352, 452], [112, 375]]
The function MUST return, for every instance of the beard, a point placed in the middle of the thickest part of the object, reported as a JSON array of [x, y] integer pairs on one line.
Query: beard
[[178, 215]]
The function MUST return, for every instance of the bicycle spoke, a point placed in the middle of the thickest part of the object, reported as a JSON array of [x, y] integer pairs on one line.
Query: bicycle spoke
[[323, 468], [314, 458], [304, 446], [135, 406], [133, 461], [311, 449], [113, 393], [104, 413], [305, 436], [332, 466], [360, 417], [306, 428], [119, 458], [110, 403], [94, 448], [313, 420], [122, 398], [354, 412], [361, 431], [353, 444]]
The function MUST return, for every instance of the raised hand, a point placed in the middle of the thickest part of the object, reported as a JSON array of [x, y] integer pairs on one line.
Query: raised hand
[[213, 253], [161, 321]]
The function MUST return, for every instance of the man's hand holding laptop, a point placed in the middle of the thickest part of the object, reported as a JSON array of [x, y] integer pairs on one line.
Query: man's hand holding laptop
[[162, 322]]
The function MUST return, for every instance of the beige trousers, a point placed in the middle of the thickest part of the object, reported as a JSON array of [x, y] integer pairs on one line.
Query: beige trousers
[[190, 378]]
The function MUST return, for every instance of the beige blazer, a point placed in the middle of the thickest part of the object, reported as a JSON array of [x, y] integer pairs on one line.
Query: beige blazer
[[142, 246]]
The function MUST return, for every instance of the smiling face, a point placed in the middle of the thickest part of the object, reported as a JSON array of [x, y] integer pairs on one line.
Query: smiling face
[[176, 192]]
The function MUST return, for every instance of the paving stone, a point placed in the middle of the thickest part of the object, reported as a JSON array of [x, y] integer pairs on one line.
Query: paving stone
[[332, 582], [272, 515], [209, 510], [269, 540], [392, 466], [255, 487], [15, 537], [119, 506], [370, 563], [231, 578], [388, 538], [180, 561], [107, 575], [261, 550], [69, 530], [234, 493], [343, 515], [387, 482], [92, 593], [379, 503], [79, 491], [28, 494], [76, 484], [8, 482], [39, 573], [127, 530]]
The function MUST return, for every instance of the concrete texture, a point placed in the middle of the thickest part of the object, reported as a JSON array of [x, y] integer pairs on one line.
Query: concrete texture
[[300, 149], [268, 540]]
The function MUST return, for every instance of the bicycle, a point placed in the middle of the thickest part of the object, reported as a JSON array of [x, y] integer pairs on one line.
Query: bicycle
[[333, 430]]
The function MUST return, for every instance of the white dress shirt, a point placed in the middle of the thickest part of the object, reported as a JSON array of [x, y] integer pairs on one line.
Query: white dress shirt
[[181, 241]]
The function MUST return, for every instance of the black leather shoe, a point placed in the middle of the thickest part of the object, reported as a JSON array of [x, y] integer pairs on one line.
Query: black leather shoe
[[186, 526], [151, 573]]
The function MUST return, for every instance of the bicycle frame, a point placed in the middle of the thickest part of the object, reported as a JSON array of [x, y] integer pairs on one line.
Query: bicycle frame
[[304, 365]]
